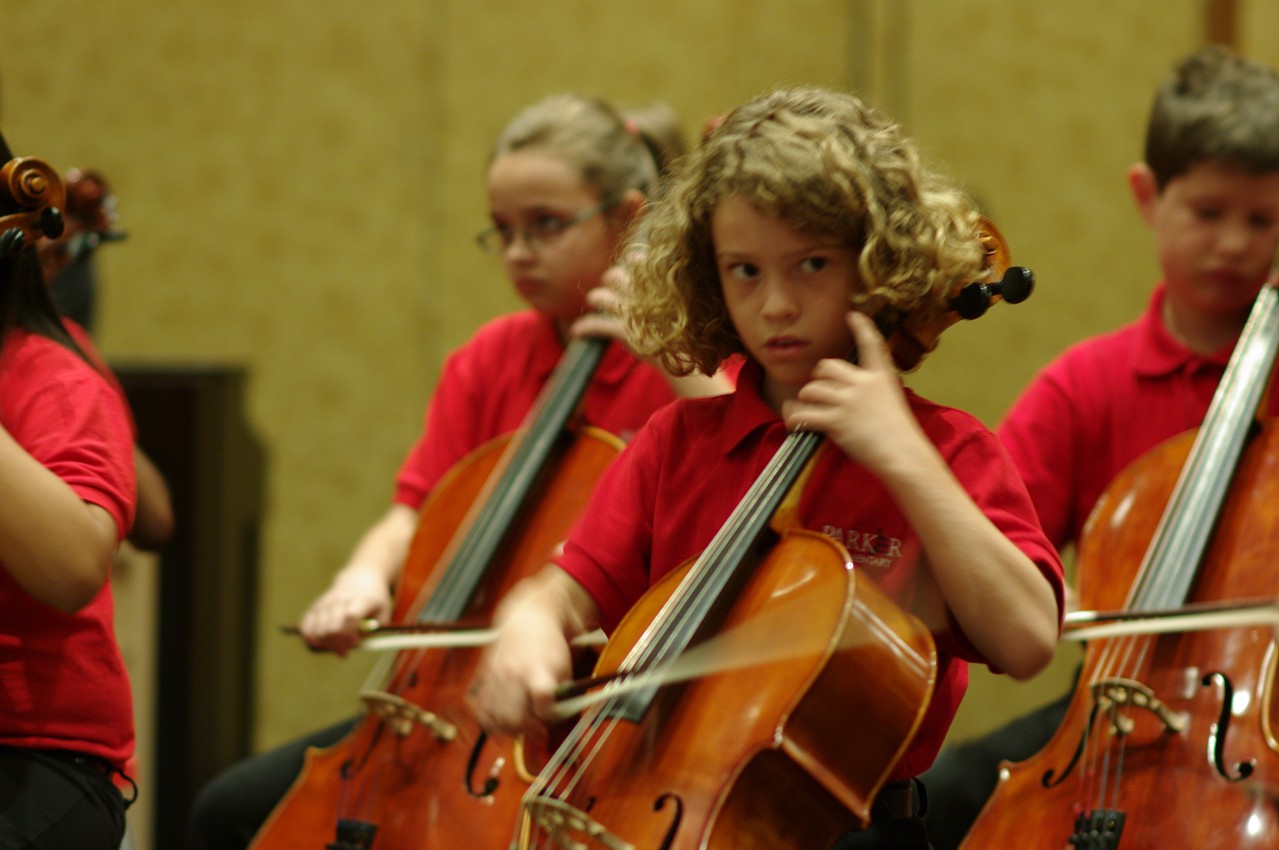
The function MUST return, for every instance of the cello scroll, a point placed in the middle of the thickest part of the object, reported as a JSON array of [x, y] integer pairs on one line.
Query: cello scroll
[[1000, 281], [32, 197]]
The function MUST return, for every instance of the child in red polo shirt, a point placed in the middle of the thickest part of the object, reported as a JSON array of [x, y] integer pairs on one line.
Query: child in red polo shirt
[[567, 178], [67, 490], [803, 212], [1208, 187]]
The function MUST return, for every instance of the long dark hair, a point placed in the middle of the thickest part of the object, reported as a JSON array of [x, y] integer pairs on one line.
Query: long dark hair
[[24, 299]]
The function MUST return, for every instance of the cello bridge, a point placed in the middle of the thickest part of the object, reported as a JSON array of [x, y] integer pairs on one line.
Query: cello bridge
[[400, 715], [557, 819], [1111, 695]]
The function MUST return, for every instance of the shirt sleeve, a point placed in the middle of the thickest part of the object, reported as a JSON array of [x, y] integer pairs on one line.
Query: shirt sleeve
[[1040, 435], [77, 426], [449, 432], [610, 548], [992, 481]]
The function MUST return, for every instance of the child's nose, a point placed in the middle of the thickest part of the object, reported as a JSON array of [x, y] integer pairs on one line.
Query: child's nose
[[778, 299], [519, 247], [1235, 238]]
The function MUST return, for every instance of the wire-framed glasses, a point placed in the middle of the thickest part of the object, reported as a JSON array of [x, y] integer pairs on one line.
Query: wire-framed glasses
[[538, 233]]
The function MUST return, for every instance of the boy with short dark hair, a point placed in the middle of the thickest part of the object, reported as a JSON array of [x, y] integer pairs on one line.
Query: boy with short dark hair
[[1209, 190]]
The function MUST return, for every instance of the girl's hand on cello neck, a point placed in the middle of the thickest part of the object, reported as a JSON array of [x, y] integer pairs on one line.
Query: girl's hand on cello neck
[[605, 305], [605, 317], [992, 589], [860, 407]]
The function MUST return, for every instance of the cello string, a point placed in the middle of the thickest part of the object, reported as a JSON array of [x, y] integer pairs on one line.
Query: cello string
[[468, 554], [725, 551], [1180, 540], [541, 426], [462, 559], [731, 649], [665, 631]]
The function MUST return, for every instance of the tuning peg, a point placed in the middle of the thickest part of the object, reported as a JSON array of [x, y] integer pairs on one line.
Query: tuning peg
[[1016, 284], [1014, 287], [12, 241], [51, 222]]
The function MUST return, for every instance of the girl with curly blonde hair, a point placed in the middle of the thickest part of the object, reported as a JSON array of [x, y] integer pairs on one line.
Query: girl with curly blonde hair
[[804, 211], [822, 162]]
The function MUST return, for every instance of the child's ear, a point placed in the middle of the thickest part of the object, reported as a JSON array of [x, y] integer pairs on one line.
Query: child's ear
[[1144, 188]]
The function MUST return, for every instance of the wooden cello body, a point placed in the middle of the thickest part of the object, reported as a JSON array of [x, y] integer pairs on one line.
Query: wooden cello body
[[417, 772], [775, 754], [1170, 738], [769, 749]]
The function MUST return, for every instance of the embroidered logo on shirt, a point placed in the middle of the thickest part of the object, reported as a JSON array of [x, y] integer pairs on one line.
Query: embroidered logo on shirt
[[867, 548]]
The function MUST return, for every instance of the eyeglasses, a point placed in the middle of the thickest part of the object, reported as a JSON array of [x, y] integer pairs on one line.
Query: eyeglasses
[[539, 233]]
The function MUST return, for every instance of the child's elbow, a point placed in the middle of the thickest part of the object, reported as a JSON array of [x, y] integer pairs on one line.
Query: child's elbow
[[79, 571], [1031, 655], [81, 583], [153, 529]]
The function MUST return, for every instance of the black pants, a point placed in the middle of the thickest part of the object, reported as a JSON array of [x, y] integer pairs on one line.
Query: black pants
[[232, 807], [57, 801], [964, 776]]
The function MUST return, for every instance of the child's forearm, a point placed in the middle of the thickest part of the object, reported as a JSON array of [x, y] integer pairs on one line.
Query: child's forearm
[[994, 591], [56, 546]]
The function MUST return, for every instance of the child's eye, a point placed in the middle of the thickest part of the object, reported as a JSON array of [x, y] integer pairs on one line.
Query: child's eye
[[814, 264], [547, 226], [504, 232], [743, 271]]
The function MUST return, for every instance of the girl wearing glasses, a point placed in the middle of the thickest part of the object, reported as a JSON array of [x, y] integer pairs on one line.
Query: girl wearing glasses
[[567, 178]]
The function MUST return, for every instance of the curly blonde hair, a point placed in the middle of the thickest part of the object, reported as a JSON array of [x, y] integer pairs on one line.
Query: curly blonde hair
[[825, 163]]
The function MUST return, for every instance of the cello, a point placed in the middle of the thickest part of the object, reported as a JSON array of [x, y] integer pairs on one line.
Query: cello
[[1169, 739], [417, 771], [665, 759]]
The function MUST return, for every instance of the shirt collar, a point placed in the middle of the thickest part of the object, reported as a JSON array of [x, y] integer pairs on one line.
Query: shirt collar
[[614, 367], [747, 410], [1159, 353]]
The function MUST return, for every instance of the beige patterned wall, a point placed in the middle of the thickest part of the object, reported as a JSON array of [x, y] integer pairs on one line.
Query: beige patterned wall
[[1040, 108], [300, 180]]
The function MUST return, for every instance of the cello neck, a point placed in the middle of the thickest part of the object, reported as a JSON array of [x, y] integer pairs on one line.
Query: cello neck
[[495, 512], [718, 570], [1181, 538]]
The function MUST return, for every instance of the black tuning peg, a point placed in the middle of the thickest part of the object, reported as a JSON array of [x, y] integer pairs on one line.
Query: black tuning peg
[[1014, 287], [12, 241], [51, 222]]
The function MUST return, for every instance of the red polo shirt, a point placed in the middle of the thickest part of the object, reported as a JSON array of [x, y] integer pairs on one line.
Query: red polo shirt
[[489, 385], [675, 485], [62, 678], [1099, 406]]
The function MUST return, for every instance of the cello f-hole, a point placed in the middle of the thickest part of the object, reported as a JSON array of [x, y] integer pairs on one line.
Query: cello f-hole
[[1217, 737], [492, 782], [1049, 780], [658, 805]]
